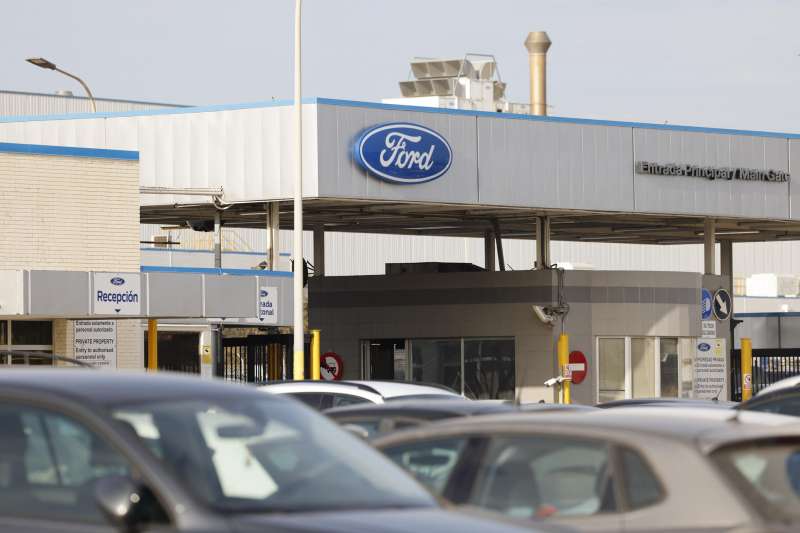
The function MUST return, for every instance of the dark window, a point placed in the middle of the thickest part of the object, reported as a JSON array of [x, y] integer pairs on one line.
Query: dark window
[[641, 485], [3, 332], [786, 404], [49, 465], [431, 462], [311, 399], [489, 369], [437, 361], [538, 476], [31, 332], [341, 400]]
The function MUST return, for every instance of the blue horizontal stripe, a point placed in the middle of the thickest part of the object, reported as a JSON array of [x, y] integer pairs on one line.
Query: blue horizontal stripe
[[200, 251], [396, 107], [217, 271], [70, 151]]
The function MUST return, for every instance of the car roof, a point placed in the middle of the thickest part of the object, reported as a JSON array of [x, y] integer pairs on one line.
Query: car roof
[[385, 389], [422, 408], [707, 427], [118, 387], [787, 383], [671, 402]]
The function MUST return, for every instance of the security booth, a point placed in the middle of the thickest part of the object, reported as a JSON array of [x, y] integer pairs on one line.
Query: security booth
[[386, 169]]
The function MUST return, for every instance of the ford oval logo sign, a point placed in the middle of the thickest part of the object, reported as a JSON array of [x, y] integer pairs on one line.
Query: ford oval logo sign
[[704, 347], [117, 281], [403, 153]]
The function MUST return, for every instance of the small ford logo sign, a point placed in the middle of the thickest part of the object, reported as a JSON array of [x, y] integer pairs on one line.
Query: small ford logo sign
[[704, 347], [117, 281], [263, 293], [403, 153]]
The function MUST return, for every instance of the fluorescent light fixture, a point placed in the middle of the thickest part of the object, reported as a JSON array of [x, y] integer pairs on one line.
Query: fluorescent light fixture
[[734, 232]]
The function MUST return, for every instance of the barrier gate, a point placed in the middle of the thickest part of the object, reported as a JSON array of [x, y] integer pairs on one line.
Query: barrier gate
[[770, 365]]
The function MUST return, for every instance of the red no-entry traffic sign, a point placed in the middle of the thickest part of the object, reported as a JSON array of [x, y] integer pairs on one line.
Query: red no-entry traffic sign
[[331, 366], [578, 366]]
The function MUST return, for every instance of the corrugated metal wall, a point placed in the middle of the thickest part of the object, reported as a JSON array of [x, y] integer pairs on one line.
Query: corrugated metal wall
[[14, 104]]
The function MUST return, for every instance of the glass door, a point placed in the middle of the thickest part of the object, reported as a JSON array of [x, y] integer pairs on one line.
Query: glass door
[[611, 368]]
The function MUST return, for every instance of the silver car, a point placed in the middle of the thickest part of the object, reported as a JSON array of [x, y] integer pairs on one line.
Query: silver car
[[625, 469]]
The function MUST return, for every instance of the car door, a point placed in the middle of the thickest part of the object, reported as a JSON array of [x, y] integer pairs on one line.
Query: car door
[[49, 466]]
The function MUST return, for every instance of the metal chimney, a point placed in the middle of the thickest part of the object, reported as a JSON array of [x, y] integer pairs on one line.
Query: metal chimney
[[537, 44]]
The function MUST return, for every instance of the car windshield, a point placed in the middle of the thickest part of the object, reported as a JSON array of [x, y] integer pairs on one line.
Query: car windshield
[[253, 455], [769, 475]]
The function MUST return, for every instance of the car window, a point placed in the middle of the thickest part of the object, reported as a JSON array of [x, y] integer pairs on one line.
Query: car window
[[432, 462], [340, 400], [267, 454], [642, 488], [541, 476], [49, 465], [783, 404], [768, 474], [370, 425], [311, 399]]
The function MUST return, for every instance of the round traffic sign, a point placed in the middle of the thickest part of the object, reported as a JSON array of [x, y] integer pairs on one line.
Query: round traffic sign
[[706, 304], [723, 306], [577, 366], [331, 366]]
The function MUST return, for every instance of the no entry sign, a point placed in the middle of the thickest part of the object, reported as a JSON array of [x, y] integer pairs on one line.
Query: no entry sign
[[331, 366], [577, 366]]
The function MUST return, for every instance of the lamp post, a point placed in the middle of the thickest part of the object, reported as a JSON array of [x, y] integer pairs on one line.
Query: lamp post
[[298, 360], [43, 63]]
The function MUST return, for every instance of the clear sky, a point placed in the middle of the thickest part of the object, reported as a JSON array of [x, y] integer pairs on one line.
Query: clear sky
[[724, 63]]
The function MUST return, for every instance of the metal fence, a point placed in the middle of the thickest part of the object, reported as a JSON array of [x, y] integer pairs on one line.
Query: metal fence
[[770, 365], [256, 358]]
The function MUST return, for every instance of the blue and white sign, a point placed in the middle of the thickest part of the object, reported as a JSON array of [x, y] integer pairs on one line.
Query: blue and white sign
[[705, 304], [116, 294], [268, 305], [723, 306], [403, 153]]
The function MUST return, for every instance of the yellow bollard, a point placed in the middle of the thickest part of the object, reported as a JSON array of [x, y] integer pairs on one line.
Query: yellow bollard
[[152, 345], [315, 362], [563, 361], [747, 368]]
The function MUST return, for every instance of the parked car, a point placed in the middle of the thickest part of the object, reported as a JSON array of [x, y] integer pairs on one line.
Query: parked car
[[784, 400], [89, 451], [669, 402], [371, 420], [625, 469], [323, 395], [792, 382]]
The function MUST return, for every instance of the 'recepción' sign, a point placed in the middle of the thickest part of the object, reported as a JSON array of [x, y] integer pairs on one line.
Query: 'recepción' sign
[[116, 294], [95, 342], [403, 153], [711, 173]]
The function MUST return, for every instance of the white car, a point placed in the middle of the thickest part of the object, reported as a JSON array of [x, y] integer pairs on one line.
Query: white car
[[323, 395], [788, 383]]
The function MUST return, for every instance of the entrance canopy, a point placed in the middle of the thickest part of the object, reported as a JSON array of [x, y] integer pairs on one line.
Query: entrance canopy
[[407, 170]]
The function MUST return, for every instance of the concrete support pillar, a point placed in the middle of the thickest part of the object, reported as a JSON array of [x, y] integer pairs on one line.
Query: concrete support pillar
[[726, 258], [709, 249], [543, 243], [217, 240], [273, 235], [319, 251], [488, 250]]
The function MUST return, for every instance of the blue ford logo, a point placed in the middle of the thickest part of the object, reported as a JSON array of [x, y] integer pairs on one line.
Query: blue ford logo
[[117, 281], [263, 293], [403, 153], [704, 347]]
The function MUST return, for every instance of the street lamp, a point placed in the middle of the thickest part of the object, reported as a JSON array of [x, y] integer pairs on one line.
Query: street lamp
[[43, 63], [298, 359]]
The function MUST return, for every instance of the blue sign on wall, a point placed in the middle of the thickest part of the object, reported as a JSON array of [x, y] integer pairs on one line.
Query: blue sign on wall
[[705, 304], [401, 152]]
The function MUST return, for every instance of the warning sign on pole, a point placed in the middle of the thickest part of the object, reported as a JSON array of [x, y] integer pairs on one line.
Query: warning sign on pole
[[95, 342]]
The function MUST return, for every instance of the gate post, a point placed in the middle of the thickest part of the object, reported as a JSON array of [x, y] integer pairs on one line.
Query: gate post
[[747, 368], [315, 362]]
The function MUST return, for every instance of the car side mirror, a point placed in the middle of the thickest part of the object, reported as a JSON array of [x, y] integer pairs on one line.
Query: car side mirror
[[119, 497]]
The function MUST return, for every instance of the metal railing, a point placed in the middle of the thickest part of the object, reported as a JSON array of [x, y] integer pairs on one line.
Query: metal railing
[[770, 365]]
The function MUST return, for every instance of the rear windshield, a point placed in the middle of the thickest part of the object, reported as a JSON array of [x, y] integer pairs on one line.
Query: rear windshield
[[768, 474]]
